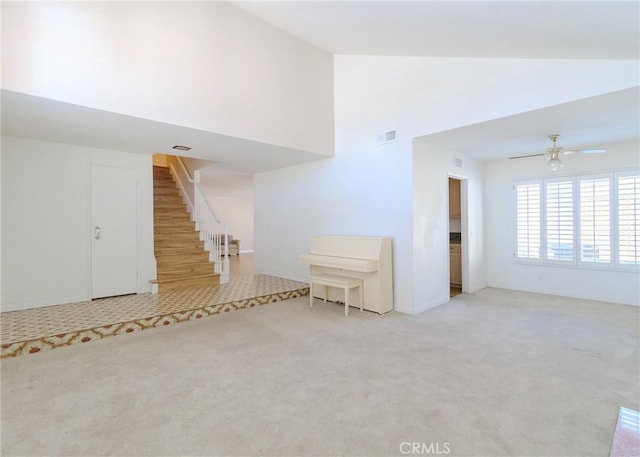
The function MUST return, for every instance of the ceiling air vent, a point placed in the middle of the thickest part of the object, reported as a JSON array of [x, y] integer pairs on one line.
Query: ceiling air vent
[[181, 148], [387, 137], [457, 162]]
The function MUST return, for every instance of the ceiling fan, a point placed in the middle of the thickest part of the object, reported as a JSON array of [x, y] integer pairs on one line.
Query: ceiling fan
[[553, 161]]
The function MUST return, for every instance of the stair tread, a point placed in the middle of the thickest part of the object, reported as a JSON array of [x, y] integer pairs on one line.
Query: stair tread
[[190, 252], [178, 223], [177, 270], [176, 235], [199, 281], [183, 274], [177, 245], [182, 234], [166, 263], [167, 196], [172, 218], [158, 281], [181, 262], [164, 219], [167, 200], [170, 203], [178, 226], [175, 224], [172, 249]]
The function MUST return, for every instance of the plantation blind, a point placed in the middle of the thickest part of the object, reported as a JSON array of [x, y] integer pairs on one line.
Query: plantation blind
[[595, 220], [629, 219], [528, 219], [559, 220]]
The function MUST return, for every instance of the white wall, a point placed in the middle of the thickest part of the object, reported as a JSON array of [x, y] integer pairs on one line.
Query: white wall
[[205, 65], [0, 227], [612, 286], [368, 189], [366, 193], [238, 211], [432, 166], [46, 224]]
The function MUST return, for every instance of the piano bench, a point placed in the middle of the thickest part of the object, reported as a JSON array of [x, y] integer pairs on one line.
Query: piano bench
[[341, 282]]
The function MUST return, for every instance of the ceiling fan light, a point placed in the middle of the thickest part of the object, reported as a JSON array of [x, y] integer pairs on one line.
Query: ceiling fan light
[[553, 162]]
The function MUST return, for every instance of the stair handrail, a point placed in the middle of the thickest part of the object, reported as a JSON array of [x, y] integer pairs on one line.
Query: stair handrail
[[184, 169], [182, 187]]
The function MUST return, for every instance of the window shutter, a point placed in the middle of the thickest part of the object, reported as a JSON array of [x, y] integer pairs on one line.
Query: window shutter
[[629, 219], [595, 220], [528, 221], [559, 220]]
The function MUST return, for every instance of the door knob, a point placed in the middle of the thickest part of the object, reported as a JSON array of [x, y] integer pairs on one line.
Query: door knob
[[97, 232]]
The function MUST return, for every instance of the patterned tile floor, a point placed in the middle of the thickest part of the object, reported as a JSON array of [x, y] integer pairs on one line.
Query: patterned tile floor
[[34, 330]]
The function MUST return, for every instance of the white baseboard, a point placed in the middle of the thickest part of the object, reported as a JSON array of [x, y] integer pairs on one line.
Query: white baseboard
[[41, 303], [424, 307], [432, 304], [403, 310], [477, 287]]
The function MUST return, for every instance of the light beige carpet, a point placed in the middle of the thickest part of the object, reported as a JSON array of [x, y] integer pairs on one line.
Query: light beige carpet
[[494, 373]]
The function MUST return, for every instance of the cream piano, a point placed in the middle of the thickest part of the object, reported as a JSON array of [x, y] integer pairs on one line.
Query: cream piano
[[367, 258]]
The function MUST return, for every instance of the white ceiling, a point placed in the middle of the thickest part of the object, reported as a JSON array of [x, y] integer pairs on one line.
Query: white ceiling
[[522, 29], [582, 124], [572, 29]]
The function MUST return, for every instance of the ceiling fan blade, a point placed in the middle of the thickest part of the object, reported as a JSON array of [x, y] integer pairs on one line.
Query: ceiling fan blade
[[585, 151], [530, 155]]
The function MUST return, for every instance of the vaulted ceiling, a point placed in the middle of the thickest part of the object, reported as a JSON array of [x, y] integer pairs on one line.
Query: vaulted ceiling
[[522, 29], [479, 29], [487, 29]]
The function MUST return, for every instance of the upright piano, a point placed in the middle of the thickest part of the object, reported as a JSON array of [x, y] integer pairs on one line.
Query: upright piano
[[368, 258]]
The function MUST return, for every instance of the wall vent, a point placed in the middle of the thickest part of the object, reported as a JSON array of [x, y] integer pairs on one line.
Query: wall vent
[[179, 147], [457, 162], [387, 137]]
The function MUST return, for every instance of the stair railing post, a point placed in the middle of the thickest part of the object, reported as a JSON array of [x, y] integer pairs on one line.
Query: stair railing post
[[214, 231], [224, 276], [196, 197]]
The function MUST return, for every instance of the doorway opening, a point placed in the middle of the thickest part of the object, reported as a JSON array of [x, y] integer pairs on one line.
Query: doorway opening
[[456, 187]]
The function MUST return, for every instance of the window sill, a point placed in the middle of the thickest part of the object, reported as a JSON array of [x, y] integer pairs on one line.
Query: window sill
[[616, 269]]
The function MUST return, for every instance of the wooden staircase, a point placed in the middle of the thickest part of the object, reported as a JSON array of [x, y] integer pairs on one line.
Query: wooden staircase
[[180, 255]]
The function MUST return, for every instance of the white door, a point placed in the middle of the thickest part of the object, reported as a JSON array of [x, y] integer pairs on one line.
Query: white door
[[114, 225]]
